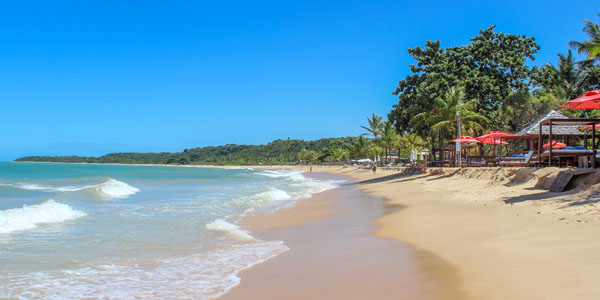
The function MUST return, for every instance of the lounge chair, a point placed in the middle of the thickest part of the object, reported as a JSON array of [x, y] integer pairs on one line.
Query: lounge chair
[[518, 161], [481, 161]]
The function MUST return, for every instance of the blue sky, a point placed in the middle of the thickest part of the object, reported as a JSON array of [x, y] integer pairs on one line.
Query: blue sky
[[93, 77]]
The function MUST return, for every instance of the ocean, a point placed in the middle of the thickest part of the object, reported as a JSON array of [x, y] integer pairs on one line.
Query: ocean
[[74, 230]]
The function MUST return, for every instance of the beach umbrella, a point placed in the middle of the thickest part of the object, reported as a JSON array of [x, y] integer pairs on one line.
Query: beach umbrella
[[555, 145], [589, 127], [589, 100], [494, 138], [491, 141], [466, 139]]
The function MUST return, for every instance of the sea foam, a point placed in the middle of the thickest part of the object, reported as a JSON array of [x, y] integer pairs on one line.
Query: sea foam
[[29, 216], [200, 276], [232, 230]]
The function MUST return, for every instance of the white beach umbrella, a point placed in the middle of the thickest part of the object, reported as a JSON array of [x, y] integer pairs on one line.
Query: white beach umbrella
[[413, 155]]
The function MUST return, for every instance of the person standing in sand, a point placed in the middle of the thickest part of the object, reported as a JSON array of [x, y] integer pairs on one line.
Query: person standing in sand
[[374, 167]]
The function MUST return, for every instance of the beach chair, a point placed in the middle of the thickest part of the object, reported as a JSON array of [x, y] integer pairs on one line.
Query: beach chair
[[481, 161], [526, 161]]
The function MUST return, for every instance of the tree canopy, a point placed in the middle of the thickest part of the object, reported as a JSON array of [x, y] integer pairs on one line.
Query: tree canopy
[[490, 68]]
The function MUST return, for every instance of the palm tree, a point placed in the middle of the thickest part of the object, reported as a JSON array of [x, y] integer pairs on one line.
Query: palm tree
[[410, 141], [340, 154], [453, 108], [375, 126], [423, 121], [567, 79], [388, 138], [360, 147], [592, 46], [376, 151]]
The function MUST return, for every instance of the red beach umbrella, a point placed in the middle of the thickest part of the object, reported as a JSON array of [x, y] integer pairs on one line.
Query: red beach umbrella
[[589, 100], [498, 134], [555, 145], [491, 140], [465, 139], [589, 127], [494, 137]]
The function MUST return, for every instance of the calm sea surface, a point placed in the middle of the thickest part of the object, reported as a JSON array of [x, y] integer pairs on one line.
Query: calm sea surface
[[70, 231]]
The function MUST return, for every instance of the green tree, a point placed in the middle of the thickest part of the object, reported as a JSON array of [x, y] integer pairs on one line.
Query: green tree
[[591, 47], [490, 68], [567, 80], [409, 141], [340, 154], [375, 151], [360, 147], [523, 108], [453, 107], [375, 125], [388, 138]]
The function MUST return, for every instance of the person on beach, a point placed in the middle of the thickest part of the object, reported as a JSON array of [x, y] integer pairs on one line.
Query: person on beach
[[374, 168]]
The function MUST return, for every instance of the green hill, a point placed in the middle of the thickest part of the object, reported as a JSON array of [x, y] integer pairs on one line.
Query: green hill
[[276, 152]]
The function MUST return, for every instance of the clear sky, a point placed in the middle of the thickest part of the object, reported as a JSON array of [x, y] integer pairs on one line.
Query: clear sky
[[93, 77]]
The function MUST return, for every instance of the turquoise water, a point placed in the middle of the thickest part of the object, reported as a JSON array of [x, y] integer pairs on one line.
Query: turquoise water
[[72, 231]]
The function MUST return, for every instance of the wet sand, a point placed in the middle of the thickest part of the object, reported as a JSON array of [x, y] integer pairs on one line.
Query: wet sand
[[334, 254]]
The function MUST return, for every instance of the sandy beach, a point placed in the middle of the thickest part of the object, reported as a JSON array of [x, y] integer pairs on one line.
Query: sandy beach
[[474, 233]]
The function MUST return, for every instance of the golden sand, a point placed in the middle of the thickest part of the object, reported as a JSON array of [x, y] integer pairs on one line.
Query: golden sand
[[476, 234]]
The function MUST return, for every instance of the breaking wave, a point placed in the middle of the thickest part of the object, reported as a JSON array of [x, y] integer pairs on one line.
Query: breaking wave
[[231, 229], [270, 196], [115, 188], [29, 216], [109, 188]]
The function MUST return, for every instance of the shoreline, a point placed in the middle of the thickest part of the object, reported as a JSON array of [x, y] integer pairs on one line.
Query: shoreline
[[504, 234], [507, 237], [333, 246]]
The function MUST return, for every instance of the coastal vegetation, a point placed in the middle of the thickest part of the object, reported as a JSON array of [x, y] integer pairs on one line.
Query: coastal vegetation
[[489, 85], [276, 152]]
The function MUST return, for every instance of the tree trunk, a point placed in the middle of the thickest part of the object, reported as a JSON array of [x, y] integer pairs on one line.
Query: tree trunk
[[441, 147]]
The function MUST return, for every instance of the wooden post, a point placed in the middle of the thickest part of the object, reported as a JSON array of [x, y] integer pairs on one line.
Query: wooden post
[[594, 145], [550, 144], [540, 146]]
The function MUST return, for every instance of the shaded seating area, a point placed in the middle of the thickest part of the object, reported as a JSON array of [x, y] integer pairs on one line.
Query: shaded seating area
[[580, 156], [553, 140]]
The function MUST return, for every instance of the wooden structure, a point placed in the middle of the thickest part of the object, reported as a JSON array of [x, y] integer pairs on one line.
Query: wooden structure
[[531, 133], [550, 127]]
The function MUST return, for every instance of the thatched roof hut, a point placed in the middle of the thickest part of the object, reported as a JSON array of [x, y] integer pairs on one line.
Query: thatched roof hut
[[557, 130]]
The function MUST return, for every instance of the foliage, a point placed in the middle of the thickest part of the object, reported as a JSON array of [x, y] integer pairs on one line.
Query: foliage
[[453, 106], [568, 79], [360, 147], [409, 141], [591, 47], [388, 139], [490, 68], [375, 126], [520, 109], [276, 152]]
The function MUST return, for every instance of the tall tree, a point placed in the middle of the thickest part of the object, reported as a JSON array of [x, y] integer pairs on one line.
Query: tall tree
[[490, 68], [567, 80], [453, 107], [375, 125], [591, 47], [388, 138], [360, 147]]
